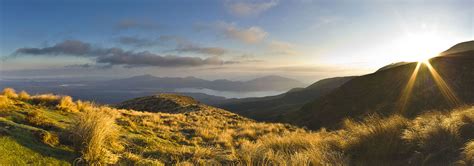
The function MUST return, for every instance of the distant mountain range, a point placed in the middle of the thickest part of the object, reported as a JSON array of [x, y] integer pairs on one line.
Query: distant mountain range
[[118, 90], [266, 83]]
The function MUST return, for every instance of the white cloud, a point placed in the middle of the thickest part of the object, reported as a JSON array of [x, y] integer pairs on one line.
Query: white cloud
[[248, 8], [249, 35]]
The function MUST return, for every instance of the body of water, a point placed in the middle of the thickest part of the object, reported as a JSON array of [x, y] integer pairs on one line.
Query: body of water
[[229, 94]]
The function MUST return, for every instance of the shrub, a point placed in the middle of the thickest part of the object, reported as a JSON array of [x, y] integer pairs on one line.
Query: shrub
[[66, 104], [95, 135], [10, 93]]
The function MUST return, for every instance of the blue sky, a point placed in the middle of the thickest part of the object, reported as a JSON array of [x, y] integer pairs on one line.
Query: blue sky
[[304, 39]]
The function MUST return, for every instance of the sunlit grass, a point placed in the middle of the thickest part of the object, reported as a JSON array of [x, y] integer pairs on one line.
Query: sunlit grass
[[212, 136]]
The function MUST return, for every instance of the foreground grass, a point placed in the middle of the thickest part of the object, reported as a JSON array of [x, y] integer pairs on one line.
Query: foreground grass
[[56, 130]]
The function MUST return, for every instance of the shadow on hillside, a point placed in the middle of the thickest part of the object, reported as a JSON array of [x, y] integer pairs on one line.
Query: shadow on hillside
[[29, 141]]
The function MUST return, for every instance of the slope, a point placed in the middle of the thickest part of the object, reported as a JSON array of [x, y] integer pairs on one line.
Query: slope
[[54, 130], [384, 92]]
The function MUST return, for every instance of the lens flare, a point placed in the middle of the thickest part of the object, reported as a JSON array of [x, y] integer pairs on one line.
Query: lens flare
[[408, 89], [445, 89]]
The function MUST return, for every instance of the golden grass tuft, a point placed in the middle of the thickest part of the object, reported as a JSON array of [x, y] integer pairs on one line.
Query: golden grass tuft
[[293, 149], [5, 102], [45, 99], [375, 140], [24, 96], [96, 136], [67, 104], [10, 93]]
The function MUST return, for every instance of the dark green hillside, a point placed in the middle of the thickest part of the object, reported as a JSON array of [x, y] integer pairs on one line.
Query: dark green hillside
[[271, 108], [382, 92]]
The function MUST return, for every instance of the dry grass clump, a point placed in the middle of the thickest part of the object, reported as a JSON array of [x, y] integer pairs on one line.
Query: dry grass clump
[[440, 137], [24, 96], [5, 102], [10, 93], [293, 149], [376, 140], [96, 136], [467, 154], [45, 99], [67, 104]]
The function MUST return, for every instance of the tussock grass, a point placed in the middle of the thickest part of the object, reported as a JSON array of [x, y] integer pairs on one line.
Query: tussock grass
[[45, 99], [67, 104], [95, 136], [24, 96], [376, 140], [10, 93], [5, 102]]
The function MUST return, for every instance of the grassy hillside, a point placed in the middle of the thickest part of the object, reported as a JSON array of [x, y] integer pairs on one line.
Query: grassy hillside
[[383, 92], [54, 130], [272, 108]]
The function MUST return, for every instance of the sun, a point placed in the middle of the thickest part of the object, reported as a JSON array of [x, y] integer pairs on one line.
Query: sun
[[419, 47]]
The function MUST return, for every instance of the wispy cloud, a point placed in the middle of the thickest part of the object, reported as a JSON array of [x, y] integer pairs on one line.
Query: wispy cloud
[[249, 8], [250, 35], [118, 56], [281, 47], [182, 45]]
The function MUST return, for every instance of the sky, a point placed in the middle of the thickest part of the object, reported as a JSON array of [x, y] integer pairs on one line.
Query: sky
[[303, 39]]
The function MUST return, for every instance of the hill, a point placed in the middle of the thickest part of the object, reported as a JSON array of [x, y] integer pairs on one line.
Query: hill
[[169, 103], [55, 130], [459, 48], [386, 92], [272, 108]]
